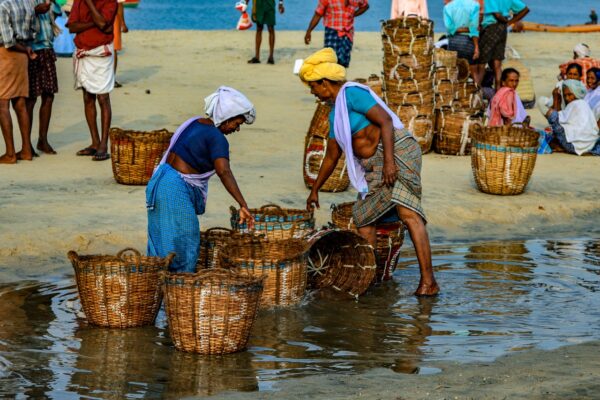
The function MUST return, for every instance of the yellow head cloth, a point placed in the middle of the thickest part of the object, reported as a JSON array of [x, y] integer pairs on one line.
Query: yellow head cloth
[[322, 65]]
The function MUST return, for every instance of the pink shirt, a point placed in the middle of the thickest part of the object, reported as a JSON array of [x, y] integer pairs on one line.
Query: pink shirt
[[402, 8]]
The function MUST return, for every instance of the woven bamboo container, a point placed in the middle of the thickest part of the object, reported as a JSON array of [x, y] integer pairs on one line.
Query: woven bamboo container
[[315, 146], [376, 84], [212, 311], [341, 260], [446, 73], [454, 135], [416, 25], [464, 70], [390, 237], [468, 98], [445, 58], [276, 223], [212, 241], [135, 154], [503, 159], [283, 262], [422, 129], [119, 291], [395, 71]]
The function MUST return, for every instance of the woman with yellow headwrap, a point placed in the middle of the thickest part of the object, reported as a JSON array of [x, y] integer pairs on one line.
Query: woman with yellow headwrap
[[383, 159]]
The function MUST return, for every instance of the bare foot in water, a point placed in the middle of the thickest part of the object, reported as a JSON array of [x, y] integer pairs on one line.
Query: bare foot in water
[[6, 159], [45, 148], [27, 156], [427, 289]]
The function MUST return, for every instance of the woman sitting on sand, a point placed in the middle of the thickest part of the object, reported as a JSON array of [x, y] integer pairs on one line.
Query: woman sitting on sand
[[593, 95], [383, 159], [574, 129], [506, 106], [178, 190]]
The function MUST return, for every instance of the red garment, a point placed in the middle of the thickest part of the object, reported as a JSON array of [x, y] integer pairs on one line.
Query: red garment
[[504, 105], [339, 14], [586, 63], [93, 37]]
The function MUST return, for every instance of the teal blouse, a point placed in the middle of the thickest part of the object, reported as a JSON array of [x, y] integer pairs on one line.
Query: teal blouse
[[359, 102]]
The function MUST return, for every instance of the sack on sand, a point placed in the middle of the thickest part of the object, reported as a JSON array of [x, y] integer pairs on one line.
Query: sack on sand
[[244, 22]]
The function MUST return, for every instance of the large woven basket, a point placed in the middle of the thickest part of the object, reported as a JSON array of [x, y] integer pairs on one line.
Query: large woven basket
[[315, 146], [211, 311], [135, 154], [454, 134], [119, 291], [283, 262], [390, 237], [276, 223], [211, 242], [341, 260], [503, 158], [422, 129]]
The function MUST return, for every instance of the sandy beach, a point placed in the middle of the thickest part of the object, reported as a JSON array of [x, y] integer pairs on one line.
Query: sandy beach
[[59, 203]]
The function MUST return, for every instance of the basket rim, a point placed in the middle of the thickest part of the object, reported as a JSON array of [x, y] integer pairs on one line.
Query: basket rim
[[299, 249], [205, 276]]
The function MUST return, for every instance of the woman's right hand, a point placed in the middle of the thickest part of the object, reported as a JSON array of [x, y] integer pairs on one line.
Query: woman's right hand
[[246, 217], [312, 201]]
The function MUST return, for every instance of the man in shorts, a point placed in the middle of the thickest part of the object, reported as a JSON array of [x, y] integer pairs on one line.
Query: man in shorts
[[263, 13], [492, 42]]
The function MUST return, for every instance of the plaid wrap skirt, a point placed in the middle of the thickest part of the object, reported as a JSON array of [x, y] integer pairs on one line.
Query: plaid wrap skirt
[[342, 45], [492, 43], [42, 73]]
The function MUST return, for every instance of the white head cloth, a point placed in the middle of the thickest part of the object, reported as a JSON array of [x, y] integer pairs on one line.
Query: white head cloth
[[579, 123], [227, 103], [582, 50]]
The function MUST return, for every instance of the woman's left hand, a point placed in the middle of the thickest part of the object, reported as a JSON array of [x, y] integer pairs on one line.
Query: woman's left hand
[[389, 173], [246, 217]]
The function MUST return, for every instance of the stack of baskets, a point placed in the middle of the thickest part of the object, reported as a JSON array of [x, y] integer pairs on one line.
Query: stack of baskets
[[135, 154], [374, 82], [446, 77], [315, 146], [454, 131], [408, 74], [503, 158]]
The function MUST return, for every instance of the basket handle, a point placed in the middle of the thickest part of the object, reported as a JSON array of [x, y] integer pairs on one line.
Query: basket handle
[[137, 254], [73, 257], [271, 206], [218, 229], [169, 258]]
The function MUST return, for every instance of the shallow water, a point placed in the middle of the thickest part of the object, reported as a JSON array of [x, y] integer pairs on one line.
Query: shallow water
[[498, 298]]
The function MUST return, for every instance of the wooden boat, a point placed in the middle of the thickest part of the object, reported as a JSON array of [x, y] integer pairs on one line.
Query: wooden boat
[[131, 3], [535, 27]]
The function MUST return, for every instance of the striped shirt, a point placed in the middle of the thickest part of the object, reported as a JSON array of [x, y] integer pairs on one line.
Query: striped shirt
[[17, 22], [44, 38]]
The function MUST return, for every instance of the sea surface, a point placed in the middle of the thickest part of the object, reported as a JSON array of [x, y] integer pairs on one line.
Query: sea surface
[[221, 14], [497, 298]]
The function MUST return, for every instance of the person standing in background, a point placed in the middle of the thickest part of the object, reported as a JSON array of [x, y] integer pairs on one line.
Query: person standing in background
[[119, 26], [263, 13], [461, 18], [402, 8]]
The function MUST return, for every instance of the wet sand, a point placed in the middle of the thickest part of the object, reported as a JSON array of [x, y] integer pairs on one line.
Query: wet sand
[[63, 202]]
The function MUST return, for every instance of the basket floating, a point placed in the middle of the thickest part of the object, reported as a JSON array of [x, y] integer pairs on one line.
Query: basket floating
[[119, 291], [503, 158], [276, 223], [135, 154], [211, 311], [282, 262]]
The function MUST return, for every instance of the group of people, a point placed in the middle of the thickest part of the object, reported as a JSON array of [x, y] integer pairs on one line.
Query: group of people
[[28, 29]]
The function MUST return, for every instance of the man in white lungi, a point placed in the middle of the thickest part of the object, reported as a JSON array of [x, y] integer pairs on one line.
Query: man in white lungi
[[93, 65]]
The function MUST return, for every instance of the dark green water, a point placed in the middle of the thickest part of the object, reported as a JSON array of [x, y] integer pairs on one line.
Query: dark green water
[[497, 298]]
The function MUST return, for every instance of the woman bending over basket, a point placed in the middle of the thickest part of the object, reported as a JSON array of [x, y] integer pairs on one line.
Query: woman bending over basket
[[574, 129], [383, 159], [178, 189]]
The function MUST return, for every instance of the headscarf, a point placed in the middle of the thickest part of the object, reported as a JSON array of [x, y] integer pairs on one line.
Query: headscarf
[[582, 50], [227, 103], [322, 65], [576, 87]]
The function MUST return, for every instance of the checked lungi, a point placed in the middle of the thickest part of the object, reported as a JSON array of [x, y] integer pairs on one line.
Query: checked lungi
[[173, 226], [342, 45], [42, 74], [463, 45], [492, 43], [406, 191]]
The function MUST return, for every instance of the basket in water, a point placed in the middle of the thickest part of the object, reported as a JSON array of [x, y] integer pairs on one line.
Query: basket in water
[[135, 154], [503, 158], [454, 134], [282, 262], [211, 242], [341, 260], [390, 237], [211, 311], [276, 223], [119, 291]]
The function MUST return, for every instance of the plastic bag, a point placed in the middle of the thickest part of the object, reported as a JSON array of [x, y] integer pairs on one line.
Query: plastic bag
[[244, 22]]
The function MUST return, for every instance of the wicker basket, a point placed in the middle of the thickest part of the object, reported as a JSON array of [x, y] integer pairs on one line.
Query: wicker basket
[[446, 73], [422, 129], [211, 242], [119, 291], [468, 98], [503, 158], [283, 262], [135, 154], [211, 311], [315, 146], [341, 260], [276, 223], [464, 70], [390, 237], [454, 135], [445, 58]]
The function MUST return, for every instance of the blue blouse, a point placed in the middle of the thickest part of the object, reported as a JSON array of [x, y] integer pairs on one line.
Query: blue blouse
[[200, 145]]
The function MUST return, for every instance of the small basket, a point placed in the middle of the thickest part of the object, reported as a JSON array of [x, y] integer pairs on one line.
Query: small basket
[[445, 58], [211, 311], [119, 291], [446, 73], [454, 134], [135, 154], [283, 262], [211, 242], [390, 237], [276, 223], [341, 260], [503, 158], [422, 129]]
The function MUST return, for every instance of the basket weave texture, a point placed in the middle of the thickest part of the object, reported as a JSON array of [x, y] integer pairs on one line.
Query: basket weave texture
[[503, 159], [276, 223], [119, 291], [211, 311], [135, 154], [341, 260], [454, 132], [211, 242], [390, 237], [315, 146], [282, 262]]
